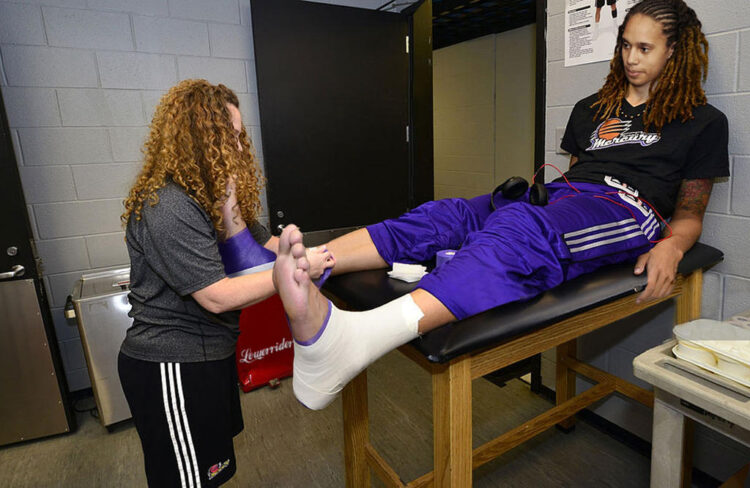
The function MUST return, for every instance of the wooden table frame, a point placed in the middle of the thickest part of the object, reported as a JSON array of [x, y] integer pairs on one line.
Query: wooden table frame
[[454, 459]]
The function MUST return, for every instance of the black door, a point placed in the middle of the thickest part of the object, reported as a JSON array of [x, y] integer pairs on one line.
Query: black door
[[16, 256], [32, 385], [333, 87]]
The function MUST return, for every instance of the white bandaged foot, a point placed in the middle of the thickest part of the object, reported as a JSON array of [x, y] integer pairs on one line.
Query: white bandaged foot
[[347, 344]]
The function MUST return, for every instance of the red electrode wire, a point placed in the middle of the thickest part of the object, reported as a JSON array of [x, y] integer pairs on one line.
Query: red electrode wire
[[533, 179]]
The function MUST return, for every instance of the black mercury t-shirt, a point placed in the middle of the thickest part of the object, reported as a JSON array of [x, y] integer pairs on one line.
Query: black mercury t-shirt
[[173, 253], [653, 163]]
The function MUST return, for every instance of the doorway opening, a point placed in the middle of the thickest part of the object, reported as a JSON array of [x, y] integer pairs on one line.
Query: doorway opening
[[484, 94]]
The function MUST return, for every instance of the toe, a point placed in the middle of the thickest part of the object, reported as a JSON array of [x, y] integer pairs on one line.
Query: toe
[[295, 235], [286, 238], [303, 264], [300, 276], [298, 250]]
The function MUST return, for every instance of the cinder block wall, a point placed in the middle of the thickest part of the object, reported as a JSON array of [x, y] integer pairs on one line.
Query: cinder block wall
[[80, 81], [726, 288]]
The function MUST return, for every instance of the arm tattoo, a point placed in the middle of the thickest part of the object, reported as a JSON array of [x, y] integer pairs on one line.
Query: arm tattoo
[[693, 196]]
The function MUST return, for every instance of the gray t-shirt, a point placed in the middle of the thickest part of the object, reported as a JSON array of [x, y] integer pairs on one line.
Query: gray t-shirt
[[173, 253]]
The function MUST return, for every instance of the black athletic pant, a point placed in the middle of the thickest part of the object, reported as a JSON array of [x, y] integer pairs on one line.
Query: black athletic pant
[[186, 415]]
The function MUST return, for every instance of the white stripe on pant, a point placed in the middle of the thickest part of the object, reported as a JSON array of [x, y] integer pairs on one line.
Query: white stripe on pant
[[597, 234], [600, 235], [187, 465], [607, 241], [597, 227]]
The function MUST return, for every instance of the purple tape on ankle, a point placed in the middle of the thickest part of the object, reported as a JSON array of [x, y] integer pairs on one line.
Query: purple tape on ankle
[[315, 338], [322, 278]]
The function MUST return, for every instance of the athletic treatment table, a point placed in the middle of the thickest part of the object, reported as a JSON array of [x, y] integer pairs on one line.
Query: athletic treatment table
[[459, 352]]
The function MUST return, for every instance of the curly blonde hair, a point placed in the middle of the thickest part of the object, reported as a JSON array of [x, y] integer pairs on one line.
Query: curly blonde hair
[[192, 142]]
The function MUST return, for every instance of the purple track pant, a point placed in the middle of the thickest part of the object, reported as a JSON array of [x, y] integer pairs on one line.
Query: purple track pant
[[519, 250]]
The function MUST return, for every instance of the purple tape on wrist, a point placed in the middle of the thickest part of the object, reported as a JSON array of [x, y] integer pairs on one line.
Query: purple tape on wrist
[[241, 252], [315, 338], [322, 278], [238, 241]]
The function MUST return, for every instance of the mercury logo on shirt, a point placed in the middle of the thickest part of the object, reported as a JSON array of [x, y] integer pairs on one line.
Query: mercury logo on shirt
[[614, 132]]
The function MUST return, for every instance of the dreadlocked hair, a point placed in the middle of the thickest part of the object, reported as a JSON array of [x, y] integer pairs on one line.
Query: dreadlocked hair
[[678, 89], [192, 142]]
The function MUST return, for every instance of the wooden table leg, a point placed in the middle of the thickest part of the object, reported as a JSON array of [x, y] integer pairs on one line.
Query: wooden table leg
[[565, 380], [668, 446], [451, 407], [689, 301], [356, 432]]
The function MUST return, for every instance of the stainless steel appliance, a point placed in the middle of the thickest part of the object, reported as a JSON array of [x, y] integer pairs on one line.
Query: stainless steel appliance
[[101, 307]]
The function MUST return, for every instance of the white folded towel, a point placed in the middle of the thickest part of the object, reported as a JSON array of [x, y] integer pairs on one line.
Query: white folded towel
[[407, 272]]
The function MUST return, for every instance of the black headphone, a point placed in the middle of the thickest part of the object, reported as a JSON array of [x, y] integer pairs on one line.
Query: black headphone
[[514, 187]]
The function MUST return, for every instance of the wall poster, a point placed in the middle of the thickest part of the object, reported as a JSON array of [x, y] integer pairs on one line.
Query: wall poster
[[591, 29]]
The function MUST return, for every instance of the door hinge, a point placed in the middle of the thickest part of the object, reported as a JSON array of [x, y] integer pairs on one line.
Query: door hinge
[[407, 44], [407, 133]]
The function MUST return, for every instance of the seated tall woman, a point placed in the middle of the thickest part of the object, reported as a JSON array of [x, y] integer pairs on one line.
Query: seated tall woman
[[644, 149]]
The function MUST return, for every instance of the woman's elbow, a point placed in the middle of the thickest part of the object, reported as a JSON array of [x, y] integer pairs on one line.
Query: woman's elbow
[[217, 307], [213, 298], [210, 304]]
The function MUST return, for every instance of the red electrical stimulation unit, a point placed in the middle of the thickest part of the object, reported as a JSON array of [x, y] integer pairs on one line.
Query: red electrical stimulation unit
[[265, 351]]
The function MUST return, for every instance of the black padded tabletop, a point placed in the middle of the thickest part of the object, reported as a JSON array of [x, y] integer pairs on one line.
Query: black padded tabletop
[[364, 290]]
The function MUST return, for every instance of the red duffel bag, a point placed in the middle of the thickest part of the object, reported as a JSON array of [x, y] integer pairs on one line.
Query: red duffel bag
[[265, 351]]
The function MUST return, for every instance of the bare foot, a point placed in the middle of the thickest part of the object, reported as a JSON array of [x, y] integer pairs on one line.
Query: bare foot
[[332, 346], [304, 305]]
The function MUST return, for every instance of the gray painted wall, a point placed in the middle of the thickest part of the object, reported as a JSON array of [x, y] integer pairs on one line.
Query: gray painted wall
[[80, 81], [727, 224], [476, 84], [463, 94], [515, 85]]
